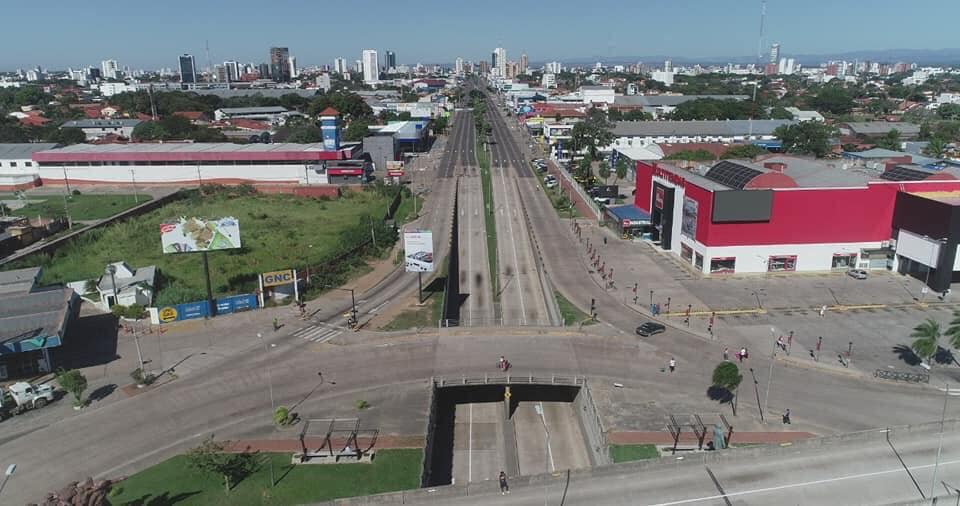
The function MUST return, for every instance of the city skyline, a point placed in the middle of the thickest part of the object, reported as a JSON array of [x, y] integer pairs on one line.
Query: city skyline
[[720, 29]]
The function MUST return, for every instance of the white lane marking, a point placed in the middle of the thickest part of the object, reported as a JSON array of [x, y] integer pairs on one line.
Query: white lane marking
[[318, 333], [802, 484], [513, 244], [543, 417], [470, 448]]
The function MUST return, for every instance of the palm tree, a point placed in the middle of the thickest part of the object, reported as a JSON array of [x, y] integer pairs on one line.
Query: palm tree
[[927, 340], [936, 147], [953, 331]]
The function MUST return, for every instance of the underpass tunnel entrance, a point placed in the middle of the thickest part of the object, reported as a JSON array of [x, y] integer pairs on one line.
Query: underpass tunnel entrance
[[479, 430]]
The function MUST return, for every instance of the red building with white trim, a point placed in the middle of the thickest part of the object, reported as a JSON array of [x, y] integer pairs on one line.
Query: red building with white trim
[[788, 213]]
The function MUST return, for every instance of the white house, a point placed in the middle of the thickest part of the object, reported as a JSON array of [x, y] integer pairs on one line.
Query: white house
[[133, 286], [97, 128]]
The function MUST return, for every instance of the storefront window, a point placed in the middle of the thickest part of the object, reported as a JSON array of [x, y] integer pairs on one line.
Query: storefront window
[[722, 265], [698, 262], [686, 252], [844, 261], [782, 263]]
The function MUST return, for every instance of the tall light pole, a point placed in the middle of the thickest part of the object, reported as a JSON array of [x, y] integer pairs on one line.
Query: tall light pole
[[946, 395], [6, 476], [353, 299], [133, 177], [766, 397]]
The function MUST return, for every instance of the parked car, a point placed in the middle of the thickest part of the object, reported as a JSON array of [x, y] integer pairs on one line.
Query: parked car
[[549, 177], [857, 273], [553, 183], [648, 329], [603, 201]]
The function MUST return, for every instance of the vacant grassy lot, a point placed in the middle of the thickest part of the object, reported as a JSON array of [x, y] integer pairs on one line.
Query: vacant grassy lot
[[626, 453], [174, 482], [277, 232], [81, 207]]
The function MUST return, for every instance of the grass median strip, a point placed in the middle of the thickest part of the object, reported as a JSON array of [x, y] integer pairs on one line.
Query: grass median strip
[[174, 481], [489, 219], [628, 453], [571, 314]]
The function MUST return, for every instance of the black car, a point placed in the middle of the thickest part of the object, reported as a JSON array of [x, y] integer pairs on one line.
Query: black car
[[650, 328]]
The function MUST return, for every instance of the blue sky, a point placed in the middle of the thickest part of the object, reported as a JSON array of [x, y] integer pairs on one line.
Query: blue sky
[[58, 34]]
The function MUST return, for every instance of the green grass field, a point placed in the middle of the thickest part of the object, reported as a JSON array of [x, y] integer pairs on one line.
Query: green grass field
[[174, 482], [627, 453], [81, 207], [277, 232]]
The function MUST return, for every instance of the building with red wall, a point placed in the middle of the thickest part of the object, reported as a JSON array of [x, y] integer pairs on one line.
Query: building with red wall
[[788, 213]]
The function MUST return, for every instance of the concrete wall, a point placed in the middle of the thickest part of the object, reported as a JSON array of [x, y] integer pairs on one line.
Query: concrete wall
[[226, 173], [592, 427]]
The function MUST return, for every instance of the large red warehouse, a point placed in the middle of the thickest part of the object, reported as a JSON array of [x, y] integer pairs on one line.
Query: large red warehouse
[[793, 214]]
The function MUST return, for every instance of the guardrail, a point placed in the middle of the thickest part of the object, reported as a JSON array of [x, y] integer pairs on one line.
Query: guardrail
[[509, 379], [909, 377]]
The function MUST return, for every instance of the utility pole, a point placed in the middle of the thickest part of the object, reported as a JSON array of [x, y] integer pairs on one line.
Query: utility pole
[[936, 465], [766, 398], [756, 389]]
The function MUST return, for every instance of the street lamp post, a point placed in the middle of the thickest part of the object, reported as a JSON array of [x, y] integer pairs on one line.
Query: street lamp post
[[766, 397], [353, 299], [273, 405], [756, 389], [6, 476], [133, 177]]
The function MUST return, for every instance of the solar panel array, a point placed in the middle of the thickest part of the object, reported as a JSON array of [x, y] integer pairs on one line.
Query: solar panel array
[[900, 173], [732, 174]]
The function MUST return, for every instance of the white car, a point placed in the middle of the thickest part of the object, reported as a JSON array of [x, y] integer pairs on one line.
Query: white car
[[548, 178], [552, 183], [603, 201]]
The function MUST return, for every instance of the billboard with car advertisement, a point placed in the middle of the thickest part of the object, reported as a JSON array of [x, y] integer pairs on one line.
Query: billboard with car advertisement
[[192, 234], [688, 225], [418, 251]]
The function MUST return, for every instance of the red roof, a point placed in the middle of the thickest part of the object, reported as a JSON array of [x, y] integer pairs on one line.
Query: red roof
[[34, 120], [190, 115], [329, 111], [92, 112]]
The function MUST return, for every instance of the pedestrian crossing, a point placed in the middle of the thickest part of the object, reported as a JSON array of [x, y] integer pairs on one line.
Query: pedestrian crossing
[[319, 333]]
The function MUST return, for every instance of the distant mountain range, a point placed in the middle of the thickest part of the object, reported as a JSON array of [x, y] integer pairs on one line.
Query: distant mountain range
[[949, 56]]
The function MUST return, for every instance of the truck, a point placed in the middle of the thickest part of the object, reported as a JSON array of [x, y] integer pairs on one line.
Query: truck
[[22, 396]]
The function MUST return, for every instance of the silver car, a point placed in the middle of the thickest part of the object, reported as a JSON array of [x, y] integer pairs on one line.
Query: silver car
[[857, 273]]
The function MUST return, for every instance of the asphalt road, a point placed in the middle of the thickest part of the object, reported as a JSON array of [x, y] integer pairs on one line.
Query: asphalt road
[[872, 472], [522, 297]]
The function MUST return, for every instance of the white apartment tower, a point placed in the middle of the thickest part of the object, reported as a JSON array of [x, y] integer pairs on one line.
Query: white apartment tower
[[458, 66], [371, 66], [292, 63], [774, 53], [109, 69], [501, 57], [340, 65]]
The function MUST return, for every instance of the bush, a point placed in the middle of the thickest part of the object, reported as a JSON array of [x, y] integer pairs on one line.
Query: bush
[[75, 192], [73, 381], [361, 404], [142, 379], [281, 416]]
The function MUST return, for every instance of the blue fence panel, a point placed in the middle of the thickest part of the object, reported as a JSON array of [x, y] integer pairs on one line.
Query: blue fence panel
[[200, 309]]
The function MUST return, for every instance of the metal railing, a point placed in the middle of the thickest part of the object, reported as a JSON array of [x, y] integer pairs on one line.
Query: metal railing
[[509, 379], [909, 377]]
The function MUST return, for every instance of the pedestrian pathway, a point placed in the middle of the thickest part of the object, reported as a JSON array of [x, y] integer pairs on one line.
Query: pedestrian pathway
[[318, 333], [313, 443], [664, 438]]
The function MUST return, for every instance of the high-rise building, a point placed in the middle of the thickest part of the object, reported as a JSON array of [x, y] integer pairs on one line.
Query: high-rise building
[[108, 69], [340, 65], [221, 73], [292, 63], [774, 53], [358, 66], [668, 66], [323, 81], [522, 70], [391, 61], [188, 70], [554, 67], [264, 70], [483, 67], [458, 66], [371, 66], [233, 70], [280, 64], [501, 63]]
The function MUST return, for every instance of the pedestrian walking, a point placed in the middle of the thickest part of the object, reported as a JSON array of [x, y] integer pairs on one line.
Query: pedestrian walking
[[504, 487], [740, 356], [745, 352], [726, 354], [604, 240], [276, 324], [786, 417], [686, 320], [673, 364], [823, 310]]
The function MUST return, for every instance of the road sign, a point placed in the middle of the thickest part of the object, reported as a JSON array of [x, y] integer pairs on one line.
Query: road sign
[[167, 314], [507, 394], [278, 278], [395, 173]]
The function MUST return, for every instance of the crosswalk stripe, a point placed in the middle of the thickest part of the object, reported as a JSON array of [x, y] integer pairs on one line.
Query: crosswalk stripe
[[319, 334]]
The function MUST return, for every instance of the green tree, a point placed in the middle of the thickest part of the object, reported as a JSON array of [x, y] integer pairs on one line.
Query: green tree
[[74, 382], [585, 167], [604, 172], [832, 99], [67, 136], [936, 148], [743, 152], [927, 339], [621, 168], [780, 113], [593, 133], [697, 155], [211, 458], [953, 331], [713, 109], [306, 134], [440, 125], [890, 140], [949, 111], [150, 131], [727, 377], [358, 129], [806, 137]]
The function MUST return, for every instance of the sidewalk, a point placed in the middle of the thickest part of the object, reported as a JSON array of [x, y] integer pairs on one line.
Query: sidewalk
[[313, 443], [664, 438]]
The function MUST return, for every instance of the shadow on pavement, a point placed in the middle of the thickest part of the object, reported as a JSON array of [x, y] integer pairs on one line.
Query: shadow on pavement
[[102, 392], [164, 499], [906, 354], [90, 340], [720, 394]]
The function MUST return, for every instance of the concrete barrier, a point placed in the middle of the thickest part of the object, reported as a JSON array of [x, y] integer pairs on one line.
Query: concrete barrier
[[591, 424]]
